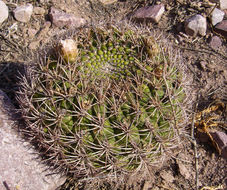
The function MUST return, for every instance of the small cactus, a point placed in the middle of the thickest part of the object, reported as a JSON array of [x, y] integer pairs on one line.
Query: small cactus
[[111, 109]]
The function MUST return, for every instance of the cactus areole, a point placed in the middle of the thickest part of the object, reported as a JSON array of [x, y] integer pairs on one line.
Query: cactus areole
[[113, 108]]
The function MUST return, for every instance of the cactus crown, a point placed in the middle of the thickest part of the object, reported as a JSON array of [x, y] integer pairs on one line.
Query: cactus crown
[[114, 109]]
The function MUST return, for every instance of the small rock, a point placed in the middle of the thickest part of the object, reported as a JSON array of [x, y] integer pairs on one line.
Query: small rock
[[4, 13], [217, 16], [183, 170], [223, 4], [225, 12], [39, 11], [147, 185], [202, 65], [215, 42], [23, 13], [44, 30], [196, 25], [34, 45], [43, 1], [107, 2], [150, 13], [222, 28], [167, 176], [31, 32], [60, 19], [211, 67]]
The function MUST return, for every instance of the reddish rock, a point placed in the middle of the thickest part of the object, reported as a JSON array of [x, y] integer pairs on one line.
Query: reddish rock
[[222, 28], [220, 138], [215, 42], [61, 19], [149, 13]]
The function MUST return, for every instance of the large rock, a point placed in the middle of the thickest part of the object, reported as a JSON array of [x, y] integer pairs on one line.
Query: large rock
[[149, 13], [19, 166], [217, 16], [61, 19], [4, 13], [23, 13], [195, 25]]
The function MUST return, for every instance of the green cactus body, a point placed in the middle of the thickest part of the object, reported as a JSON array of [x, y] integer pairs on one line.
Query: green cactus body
[[111, 108]]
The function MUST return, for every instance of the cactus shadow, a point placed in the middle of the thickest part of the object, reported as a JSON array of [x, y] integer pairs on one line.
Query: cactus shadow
[[10, 74]]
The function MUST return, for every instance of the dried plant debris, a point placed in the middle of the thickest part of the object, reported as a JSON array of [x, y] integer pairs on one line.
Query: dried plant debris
[[209, 118]]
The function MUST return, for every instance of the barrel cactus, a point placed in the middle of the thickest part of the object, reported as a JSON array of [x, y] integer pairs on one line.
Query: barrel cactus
[[113, 108]]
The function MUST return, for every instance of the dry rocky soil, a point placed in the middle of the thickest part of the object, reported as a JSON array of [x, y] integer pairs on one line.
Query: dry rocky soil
[[205, 67]]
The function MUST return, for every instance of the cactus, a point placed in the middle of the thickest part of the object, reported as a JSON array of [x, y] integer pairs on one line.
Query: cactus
[[114, 109]]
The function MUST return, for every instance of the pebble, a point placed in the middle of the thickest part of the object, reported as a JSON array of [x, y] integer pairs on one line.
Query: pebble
[[215, 42], [31, 33], [39, 11], [183, 170], [225, 12], [150, 13], [202, 65], [217, 16], [222, 28], [167, 176], [4, 13], [196, 25], [34, 45], [23, 13], [107, 2], [61, 19], [44, 1], [223, 4]]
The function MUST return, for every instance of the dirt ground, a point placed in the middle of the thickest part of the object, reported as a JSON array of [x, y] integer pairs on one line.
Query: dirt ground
[[205, 68]]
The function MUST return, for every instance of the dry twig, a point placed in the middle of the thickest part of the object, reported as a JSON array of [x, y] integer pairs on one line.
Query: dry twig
[[195, 147]]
